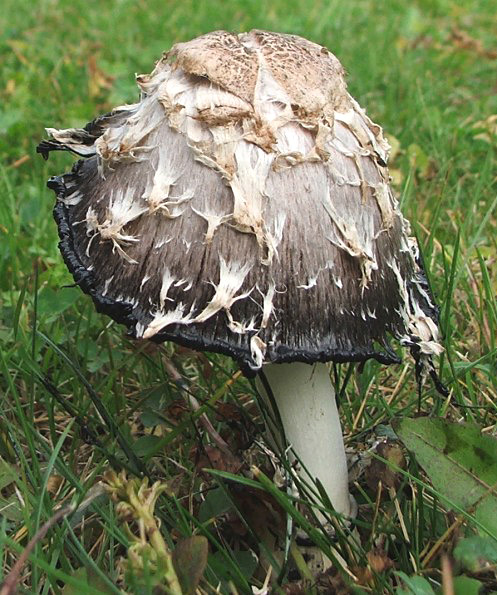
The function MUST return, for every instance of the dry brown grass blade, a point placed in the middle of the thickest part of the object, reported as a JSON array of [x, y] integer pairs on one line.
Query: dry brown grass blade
[[195, 405], [439, 543], [9, 585], [447, 576]]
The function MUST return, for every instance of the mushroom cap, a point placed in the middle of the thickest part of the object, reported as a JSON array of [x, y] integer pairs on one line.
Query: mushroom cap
[[243, 206]]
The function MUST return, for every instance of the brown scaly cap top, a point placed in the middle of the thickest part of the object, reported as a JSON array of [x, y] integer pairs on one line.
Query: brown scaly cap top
[[309, 73], [243, 206]]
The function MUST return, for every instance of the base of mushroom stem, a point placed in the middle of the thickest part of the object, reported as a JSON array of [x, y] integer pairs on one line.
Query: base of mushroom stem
[[317, 561], [304, 397], [302, 539]]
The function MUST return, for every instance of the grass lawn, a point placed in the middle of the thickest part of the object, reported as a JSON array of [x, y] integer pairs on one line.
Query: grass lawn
[[78, 398]]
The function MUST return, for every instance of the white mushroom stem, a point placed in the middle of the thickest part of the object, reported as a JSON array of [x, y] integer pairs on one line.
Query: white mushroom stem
[[305, 398]]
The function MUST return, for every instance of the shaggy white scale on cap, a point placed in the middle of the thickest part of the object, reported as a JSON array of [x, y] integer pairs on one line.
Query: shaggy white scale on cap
[[244, 205]]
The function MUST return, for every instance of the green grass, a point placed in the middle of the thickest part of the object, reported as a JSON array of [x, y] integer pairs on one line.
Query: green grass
[[76, 396]]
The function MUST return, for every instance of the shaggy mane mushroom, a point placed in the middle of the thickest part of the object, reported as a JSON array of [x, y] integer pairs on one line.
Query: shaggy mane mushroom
[[243, 206]]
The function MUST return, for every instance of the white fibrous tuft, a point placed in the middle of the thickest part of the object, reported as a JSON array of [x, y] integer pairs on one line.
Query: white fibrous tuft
[[420, 327], [159, 195], [258, 351], [162, 320], [231, 278], [268, 304], [214, 220], [356, 238], [167, 281], [120, 211]]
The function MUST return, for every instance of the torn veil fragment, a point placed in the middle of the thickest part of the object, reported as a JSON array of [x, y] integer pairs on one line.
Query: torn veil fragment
[[243, 206]]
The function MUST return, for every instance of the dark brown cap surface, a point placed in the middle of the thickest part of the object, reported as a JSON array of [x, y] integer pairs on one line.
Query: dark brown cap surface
[[243, 206]]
